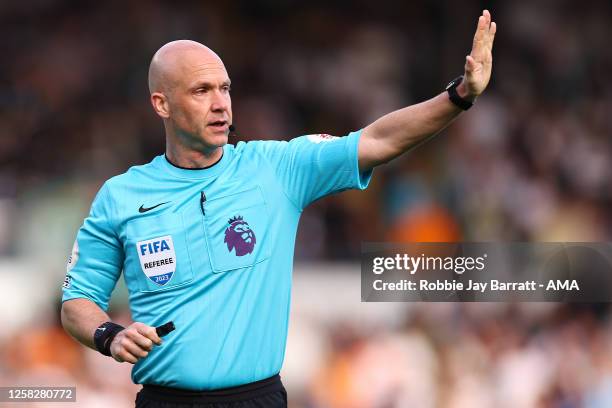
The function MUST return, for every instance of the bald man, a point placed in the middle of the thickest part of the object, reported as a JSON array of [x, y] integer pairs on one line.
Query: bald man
[[205, 233]]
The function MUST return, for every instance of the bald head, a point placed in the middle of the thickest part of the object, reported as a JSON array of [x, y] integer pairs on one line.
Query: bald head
[[190, 91], [174, 59]]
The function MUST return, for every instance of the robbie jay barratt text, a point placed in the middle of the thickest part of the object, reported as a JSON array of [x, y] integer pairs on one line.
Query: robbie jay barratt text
[[493, 285]]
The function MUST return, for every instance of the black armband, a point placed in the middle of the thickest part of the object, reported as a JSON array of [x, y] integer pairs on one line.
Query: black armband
[[104, 335]]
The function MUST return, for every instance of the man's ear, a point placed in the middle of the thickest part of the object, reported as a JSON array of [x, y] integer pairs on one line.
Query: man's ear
[[160, 104]]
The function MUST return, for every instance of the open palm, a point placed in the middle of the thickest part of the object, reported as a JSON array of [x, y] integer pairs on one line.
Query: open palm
[[478, 64]]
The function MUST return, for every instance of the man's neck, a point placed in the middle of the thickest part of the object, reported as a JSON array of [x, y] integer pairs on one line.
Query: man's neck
[[193, 159]]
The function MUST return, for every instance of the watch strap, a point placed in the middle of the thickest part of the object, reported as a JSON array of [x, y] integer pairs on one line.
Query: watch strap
[[104, 335], [454, 96]]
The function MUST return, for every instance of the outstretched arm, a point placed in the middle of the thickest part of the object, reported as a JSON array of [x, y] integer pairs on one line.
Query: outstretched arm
[[401, 130]]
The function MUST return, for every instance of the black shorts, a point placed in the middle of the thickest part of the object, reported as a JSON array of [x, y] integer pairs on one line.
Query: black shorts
[[268, 393]]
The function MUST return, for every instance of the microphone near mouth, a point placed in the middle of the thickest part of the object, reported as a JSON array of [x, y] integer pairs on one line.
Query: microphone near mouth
[[232, 131]]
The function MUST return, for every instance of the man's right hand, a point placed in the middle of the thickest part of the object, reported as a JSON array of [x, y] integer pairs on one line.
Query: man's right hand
[[134, 342]]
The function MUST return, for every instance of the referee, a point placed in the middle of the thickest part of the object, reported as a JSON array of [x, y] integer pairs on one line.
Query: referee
[[205, 233]]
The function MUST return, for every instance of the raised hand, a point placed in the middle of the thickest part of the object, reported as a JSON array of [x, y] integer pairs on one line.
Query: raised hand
[[478, 64]]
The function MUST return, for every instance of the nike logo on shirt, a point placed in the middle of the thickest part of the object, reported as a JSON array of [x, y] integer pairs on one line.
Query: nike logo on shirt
[[144, 209]]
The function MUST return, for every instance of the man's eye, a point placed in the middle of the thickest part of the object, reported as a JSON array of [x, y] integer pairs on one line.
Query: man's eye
[[227, 88], [200, 91]]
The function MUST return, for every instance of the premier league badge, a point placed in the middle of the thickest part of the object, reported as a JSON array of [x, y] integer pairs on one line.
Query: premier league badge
[[239, 236]]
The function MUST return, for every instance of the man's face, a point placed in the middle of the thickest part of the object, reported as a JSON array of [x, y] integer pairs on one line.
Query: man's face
[[200, 107]]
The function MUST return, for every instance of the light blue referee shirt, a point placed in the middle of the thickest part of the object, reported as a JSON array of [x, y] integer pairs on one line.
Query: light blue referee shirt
[[212, 250]]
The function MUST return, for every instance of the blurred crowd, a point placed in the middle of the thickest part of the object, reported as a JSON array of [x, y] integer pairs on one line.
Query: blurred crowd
[[530, 162], [473, 355]]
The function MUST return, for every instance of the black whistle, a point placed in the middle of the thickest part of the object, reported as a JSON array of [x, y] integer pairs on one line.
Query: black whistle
[[165, 329]]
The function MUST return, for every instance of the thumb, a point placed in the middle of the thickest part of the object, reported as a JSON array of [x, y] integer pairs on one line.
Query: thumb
[[149, 332], [470, 64]]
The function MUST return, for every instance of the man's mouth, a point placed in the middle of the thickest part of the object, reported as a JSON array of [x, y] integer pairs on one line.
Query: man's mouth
[[218, 124]]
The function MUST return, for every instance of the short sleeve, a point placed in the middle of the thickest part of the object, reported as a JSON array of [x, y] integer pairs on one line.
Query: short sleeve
[[313, 166], [97, 256]]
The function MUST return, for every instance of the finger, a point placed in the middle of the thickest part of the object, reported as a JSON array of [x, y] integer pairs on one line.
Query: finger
[[133, 348], [477, 44], [142, 341], [124, 356], [480, 29], [493, 30], [487, 17], [488, 44], [150, 333], [490, 31]]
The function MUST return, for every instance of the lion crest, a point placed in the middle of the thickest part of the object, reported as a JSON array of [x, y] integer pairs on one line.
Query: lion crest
[[239, 236]]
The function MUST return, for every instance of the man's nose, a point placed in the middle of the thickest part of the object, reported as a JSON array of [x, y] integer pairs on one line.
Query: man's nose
[[220, 102]]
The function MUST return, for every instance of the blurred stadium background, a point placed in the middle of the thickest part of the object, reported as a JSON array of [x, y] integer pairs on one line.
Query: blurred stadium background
[[531, 162]]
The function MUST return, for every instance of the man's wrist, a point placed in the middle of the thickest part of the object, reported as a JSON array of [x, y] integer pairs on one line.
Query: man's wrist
[[463, 93], [104, 335]]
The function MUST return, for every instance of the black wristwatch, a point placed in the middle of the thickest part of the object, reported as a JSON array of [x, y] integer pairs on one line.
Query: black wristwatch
[[454, 97]]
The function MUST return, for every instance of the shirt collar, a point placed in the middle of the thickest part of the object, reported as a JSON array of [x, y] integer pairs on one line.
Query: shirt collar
[[195, 174]]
